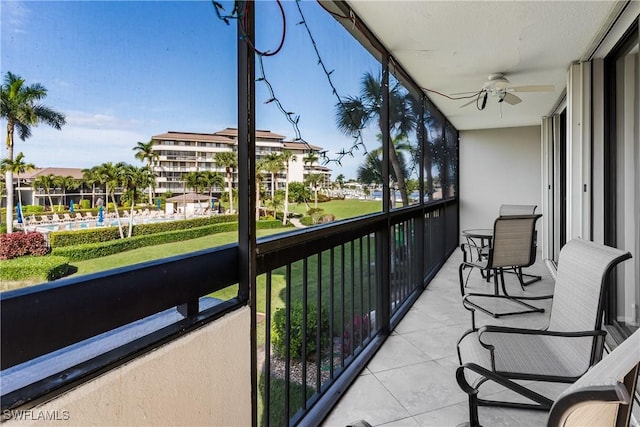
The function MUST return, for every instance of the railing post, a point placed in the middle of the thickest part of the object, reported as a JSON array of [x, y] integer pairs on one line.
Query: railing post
[[383, 258], [247, 185]]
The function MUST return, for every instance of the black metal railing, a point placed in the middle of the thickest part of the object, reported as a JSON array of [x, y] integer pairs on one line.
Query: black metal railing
[[331, 295]]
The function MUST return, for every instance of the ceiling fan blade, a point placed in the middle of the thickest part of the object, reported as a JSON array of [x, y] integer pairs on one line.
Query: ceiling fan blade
[[510, 98], [532, 88]]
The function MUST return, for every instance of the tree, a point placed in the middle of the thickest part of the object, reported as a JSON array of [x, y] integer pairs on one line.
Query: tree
[[91, 177], [16, 166], [310, 158], [110, 177], [286, 156], [260, 166], [229, 161], [46, 182], [272, 163], [340, 181], [20, 106], [131, 178], [315, 181], [299, 193], [355, 113], [65, 183], [370, 171], [144, 152], [196, 181], [212, 180]]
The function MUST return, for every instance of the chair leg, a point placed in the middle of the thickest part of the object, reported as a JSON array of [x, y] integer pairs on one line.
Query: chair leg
[[473, 399]]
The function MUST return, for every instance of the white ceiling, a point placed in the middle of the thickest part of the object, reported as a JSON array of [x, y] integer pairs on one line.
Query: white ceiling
[[452, 46]]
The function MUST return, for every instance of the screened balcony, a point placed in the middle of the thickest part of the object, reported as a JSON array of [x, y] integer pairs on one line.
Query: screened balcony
[[355, 319]]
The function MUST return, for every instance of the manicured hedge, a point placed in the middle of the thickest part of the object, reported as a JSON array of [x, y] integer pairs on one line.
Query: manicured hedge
[[45, 268], [95, 235], [96, 250]]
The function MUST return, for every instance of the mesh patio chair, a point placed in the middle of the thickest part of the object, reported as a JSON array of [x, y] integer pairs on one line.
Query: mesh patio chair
[[508, 210], [563, 352], [513, 247], [604, 395]]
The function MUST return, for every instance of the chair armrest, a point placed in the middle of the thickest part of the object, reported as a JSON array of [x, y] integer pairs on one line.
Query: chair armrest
[[505, 297], [523, 331]]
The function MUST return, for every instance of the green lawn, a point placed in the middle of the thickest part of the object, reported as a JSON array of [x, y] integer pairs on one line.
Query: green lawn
[[342, 209], [150, 253]]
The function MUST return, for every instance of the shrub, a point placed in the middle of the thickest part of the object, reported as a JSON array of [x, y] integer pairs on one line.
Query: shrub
[[296, 322], [95, 250], [85, 204], [95, 235], [32, 209], [20, 244], [315, 214], [28, 267], [307, 220]]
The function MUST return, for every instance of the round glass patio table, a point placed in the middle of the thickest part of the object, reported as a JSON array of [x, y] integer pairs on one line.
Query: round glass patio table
[[485, 236]]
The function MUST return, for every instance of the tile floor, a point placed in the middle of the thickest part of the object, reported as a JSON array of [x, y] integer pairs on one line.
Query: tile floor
[[411, 380]]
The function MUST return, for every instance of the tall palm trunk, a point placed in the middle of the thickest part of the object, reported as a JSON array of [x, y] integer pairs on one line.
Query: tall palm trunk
[[131, 217], [113, 199], [285, 212], [397, 168], [9, 176], [50, 199], [229, 178]]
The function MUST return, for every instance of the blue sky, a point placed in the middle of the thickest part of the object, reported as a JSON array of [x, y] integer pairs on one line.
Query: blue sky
[[122, 71]]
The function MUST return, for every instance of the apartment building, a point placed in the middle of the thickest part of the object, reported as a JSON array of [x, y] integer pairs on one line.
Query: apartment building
[[182, 152]]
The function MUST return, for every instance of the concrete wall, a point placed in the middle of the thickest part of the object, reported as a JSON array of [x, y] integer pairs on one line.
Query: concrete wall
[[200, 379], [498, 166]]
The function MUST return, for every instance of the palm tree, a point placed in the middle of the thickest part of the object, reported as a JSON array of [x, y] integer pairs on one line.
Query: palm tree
[[315, 181], [144, 152], [91, 177], [132, 178], [229, 161], [65, 183], [110, 177], [16, 166], [355, 113], [212, 180], [260, 166], [20, 106], [310, 158], [272, 163], [46, 182], [286, 156], [340, 181], [196, 181]]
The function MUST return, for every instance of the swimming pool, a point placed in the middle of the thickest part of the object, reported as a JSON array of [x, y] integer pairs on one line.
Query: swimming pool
[[85, 225]]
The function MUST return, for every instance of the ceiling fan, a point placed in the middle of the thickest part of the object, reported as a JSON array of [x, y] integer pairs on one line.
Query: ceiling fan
[[498, 86]]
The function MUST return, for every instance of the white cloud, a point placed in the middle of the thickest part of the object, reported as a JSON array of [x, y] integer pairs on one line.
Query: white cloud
[[79, 147], [15, 17], [98, 121]]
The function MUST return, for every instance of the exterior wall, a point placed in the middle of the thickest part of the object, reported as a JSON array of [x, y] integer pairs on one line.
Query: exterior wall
[[498, 166], [190, 156], [203, 378]]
